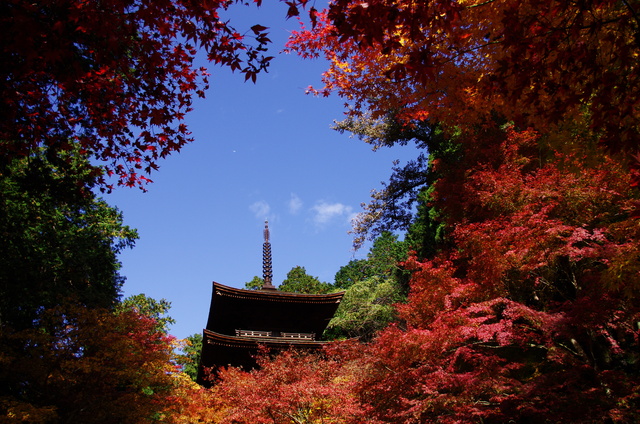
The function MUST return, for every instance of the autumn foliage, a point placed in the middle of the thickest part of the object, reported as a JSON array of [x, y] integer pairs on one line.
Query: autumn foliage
[[115, 77], [526, 307], [294, 387], [530, 314], [535, 62], [89, 366], [523, 309]]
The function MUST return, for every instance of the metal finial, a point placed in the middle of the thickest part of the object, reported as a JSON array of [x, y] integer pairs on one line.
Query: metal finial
[[267, 273], [266, 231]]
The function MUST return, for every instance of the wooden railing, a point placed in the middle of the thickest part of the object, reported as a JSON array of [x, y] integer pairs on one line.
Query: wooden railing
[[300, 336], [283, 335], [253, 333]]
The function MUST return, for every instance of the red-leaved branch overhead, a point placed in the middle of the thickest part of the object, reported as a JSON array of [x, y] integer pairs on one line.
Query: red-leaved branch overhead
[[535, 62], [115, 77]]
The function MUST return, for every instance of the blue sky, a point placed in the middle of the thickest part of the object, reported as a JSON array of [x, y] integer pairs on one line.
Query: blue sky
[[261, 151]]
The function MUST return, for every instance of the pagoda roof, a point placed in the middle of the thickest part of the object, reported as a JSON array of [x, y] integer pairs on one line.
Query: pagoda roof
[[240, 321], [269, 310]]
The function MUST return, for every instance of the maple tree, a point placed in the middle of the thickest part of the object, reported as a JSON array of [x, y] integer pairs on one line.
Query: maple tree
[[86, 365], [192, 403], [535, 62], [530, 311], [115, 77], [293, 387]]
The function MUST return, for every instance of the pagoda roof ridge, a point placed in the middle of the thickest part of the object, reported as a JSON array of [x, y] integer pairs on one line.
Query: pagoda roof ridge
[[276, 295]]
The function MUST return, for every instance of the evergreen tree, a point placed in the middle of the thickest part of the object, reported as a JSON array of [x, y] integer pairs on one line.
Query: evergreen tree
[[189, 360], [149, 307], [256, 283], [57, 239], [298, 281]]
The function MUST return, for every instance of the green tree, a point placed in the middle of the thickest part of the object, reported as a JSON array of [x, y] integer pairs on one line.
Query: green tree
[[385, 254], [149, 307], [57, 239], [298, 281], [256, 283], [373, 285], [382, 261], [349, 274], [392, 207], [189, 359], [366, 308], [405, 202], [427, 232]]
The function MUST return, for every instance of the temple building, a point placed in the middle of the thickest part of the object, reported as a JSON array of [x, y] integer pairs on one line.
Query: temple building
[[241, 320]]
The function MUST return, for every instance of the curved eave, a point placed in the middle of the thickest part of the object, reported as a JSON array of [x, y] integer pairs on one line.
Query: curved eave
[[269, 310], [275, 295], [221, 350], [217, 339]]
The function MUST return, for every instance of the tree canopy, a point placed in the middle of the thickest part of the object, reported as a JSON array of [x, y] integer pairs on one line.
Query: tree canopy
[[57, 239], [298, 281], [189, 360], [527, 313], [522, 300], [535, 62], [155, 309], [86, 365], [256, 283], [367, 307], [525, 307], [115, 77]]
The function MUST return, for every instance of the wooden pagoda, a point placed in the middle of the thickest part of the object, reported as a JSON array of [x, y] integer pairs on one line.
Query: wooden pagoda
[[240, 321]]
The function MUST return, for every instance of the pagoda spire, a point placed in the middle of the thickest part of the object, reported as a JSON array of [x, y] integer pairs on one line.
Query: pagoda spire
[[267, 273]]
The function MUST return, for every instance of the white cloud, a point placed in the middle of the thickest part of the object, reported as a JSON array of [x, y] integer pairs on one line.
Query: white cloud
[[295, 204], [325, 212], [260, 209]]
